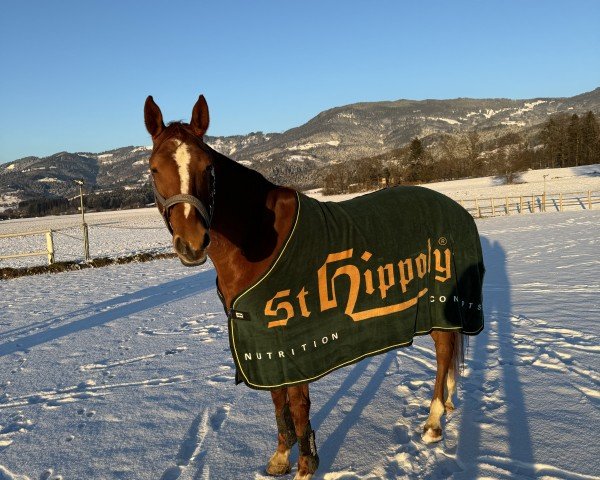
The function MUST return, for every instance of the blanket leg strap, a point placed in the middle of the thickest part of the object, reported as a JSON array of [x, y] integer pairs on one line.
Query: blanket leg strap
[[285, 426], [308, 448]]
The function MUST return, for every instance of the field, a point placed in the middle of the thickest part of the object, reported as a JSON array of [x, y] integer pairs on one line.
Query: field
[[124, 372]]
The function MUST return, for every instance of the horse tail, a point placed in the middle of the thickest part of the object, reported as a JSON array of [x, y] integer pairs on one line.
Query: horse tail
[[458, 354]]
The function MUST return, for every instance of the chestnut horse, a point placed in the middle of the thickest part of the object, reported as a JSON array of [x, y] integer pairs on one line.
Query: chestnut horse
[[216, 207]]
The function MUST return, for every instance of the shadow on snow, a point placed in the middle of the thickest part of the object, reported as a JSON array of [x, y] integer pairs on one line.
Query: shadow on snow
[[122, 307]]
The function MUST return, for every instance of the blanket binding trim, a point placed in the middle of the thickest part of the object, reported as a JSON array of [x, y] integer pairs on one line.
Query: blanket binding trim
[[349, 362], [265, 275]]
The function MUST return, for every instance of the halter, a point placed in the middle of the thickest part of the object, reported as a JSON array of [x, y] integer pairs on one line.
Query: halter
[[167, 203]]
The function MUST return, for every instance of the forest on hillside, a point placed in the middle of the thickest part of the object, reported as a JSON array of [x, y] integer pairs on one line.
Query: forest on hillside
[[564, 141], [117, 199]]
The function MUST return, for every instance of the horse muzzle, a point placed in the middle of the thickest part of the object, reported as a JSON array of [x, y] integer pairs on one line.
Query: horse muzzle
[[188, 255]]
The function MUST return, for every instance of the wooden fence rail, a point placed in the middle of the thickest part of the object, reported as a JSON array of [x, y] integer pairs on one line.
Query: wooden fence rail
[[49, 252], [534, 203]]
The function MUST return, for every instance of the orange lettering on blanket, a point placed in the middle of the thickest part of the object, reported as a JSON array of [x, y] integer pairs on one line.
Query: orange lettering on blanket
[[286, 306], [400, 275]]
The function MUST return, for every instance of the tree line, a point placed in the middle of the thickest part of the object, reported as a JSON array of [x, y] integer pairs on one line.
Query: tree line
[[117, 199], [563, 141]]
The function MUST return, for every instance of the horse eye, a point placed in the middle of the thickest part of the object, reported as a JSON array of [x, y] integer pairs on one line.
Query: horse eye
[[154, 170]]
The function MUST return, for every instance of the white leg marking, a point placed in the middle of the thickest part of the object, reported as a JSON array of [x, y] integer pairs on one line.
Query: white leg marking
[[182, 157], [450, 389], [433, 422]]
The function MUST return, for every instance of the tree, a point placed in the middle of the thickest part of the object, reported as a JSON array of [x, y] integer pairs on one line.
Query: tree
[[590, 139], [416, 149], [573, 141]]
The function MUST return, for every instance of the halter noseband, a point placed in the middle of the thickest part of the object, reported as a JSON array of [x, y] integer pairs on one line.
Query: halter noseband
[[167, 203]]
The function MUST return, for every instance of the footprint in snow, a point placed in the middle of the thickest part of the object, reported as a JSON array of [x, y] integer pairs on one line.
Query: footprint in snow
[[49, 475], [401, 434], [219, 378], [217, 418]]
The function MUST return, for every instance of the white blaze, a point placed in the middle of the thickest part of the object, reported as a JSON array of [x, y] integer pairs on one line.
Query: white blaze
[[182, 157]]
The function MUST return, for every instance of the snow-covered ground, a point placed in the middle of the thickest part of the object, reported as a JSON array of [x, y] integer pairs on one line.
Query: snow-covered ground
[[124, 372], [128, 232], [111, 234], [558, 180]]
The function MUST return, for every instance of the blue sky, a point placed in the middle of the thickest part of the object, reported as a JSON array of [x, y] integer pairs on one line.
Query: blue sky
[[74, 74]]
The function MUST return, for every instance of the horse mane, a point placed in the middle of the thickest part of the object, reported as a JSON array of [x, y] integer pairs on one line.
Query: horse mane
[[177, 128]]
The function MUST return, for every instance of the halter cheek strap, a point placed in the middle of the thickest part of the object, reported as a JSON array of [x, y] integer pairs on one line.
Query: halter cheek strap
[[167, 203]]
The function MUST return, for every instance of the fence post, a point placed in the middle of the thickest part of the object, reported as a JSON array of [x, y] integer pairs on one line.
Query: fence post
[[493, 207], [86, 242], [507, 207], [521, 204], [589, 199], [560, 201], [544, 202], [532, 203], [50, 247]]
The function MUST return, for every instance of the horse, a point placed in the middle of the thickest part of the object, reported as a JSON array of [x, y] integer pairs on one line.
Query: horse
[[216, 207]]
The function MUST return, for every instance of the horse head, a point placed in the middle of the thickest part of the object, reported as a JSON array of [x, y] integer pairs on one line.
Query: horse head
[[182, 176]]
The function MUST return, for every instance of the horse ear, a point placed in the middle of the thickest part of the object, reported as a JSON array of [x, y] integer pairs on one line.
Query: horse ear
[[153, 118], [200, 117]]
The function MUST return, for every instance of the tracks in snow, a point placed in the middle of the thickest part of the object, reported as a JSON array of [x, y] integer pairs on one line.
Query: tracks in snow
[[54, 398], [190, 463]]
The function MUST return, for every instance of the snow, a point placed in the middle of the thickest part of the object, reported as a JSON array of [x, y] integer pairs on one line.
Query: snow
[[111, 234], [308, 146], [10, 167], [558, 180], [490, 112], [124, 372], [49, 180], [297, 158], [147, 148], [447, 120], [8, 199], [527, 107]]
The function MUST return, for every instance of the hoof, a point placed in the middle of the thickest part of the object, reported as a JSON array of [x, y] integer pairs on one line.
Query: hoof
[[449, 406], [307, 476], [277, 470], [432, 435], [279, 464]]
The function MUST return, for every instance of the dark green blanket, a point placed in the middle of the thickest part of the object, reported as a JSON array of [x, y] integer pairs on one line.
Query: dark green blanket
[[355, 279]]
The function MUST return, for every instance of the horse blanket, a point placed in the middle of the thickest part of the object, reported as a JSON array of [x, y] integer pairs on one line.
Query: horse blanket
[[355, 279]]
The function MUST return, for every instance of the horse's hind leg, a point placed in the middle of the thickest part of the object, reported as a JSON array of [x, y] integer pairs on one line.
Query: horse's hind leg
[[279, 464], [308, 462], [445, 356], [450, 388]]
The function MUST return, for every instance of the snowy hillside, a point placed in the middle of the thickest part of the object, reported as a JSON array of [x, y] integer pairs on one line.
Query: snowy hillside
[[124, 372]]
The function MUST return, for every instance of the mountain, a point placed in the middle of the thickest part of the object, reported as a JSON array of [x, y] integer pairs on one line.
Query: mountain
[[295, 156]]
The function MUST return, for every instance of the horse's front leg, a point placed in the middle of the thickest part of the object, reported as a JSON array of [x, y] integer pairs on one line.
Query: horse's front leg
[[308, 461], [279, 464]]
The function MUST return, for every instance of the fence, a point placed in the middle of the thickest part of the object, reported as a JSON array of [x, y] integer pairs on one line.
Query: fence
[[49, 252], [545, 202]]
